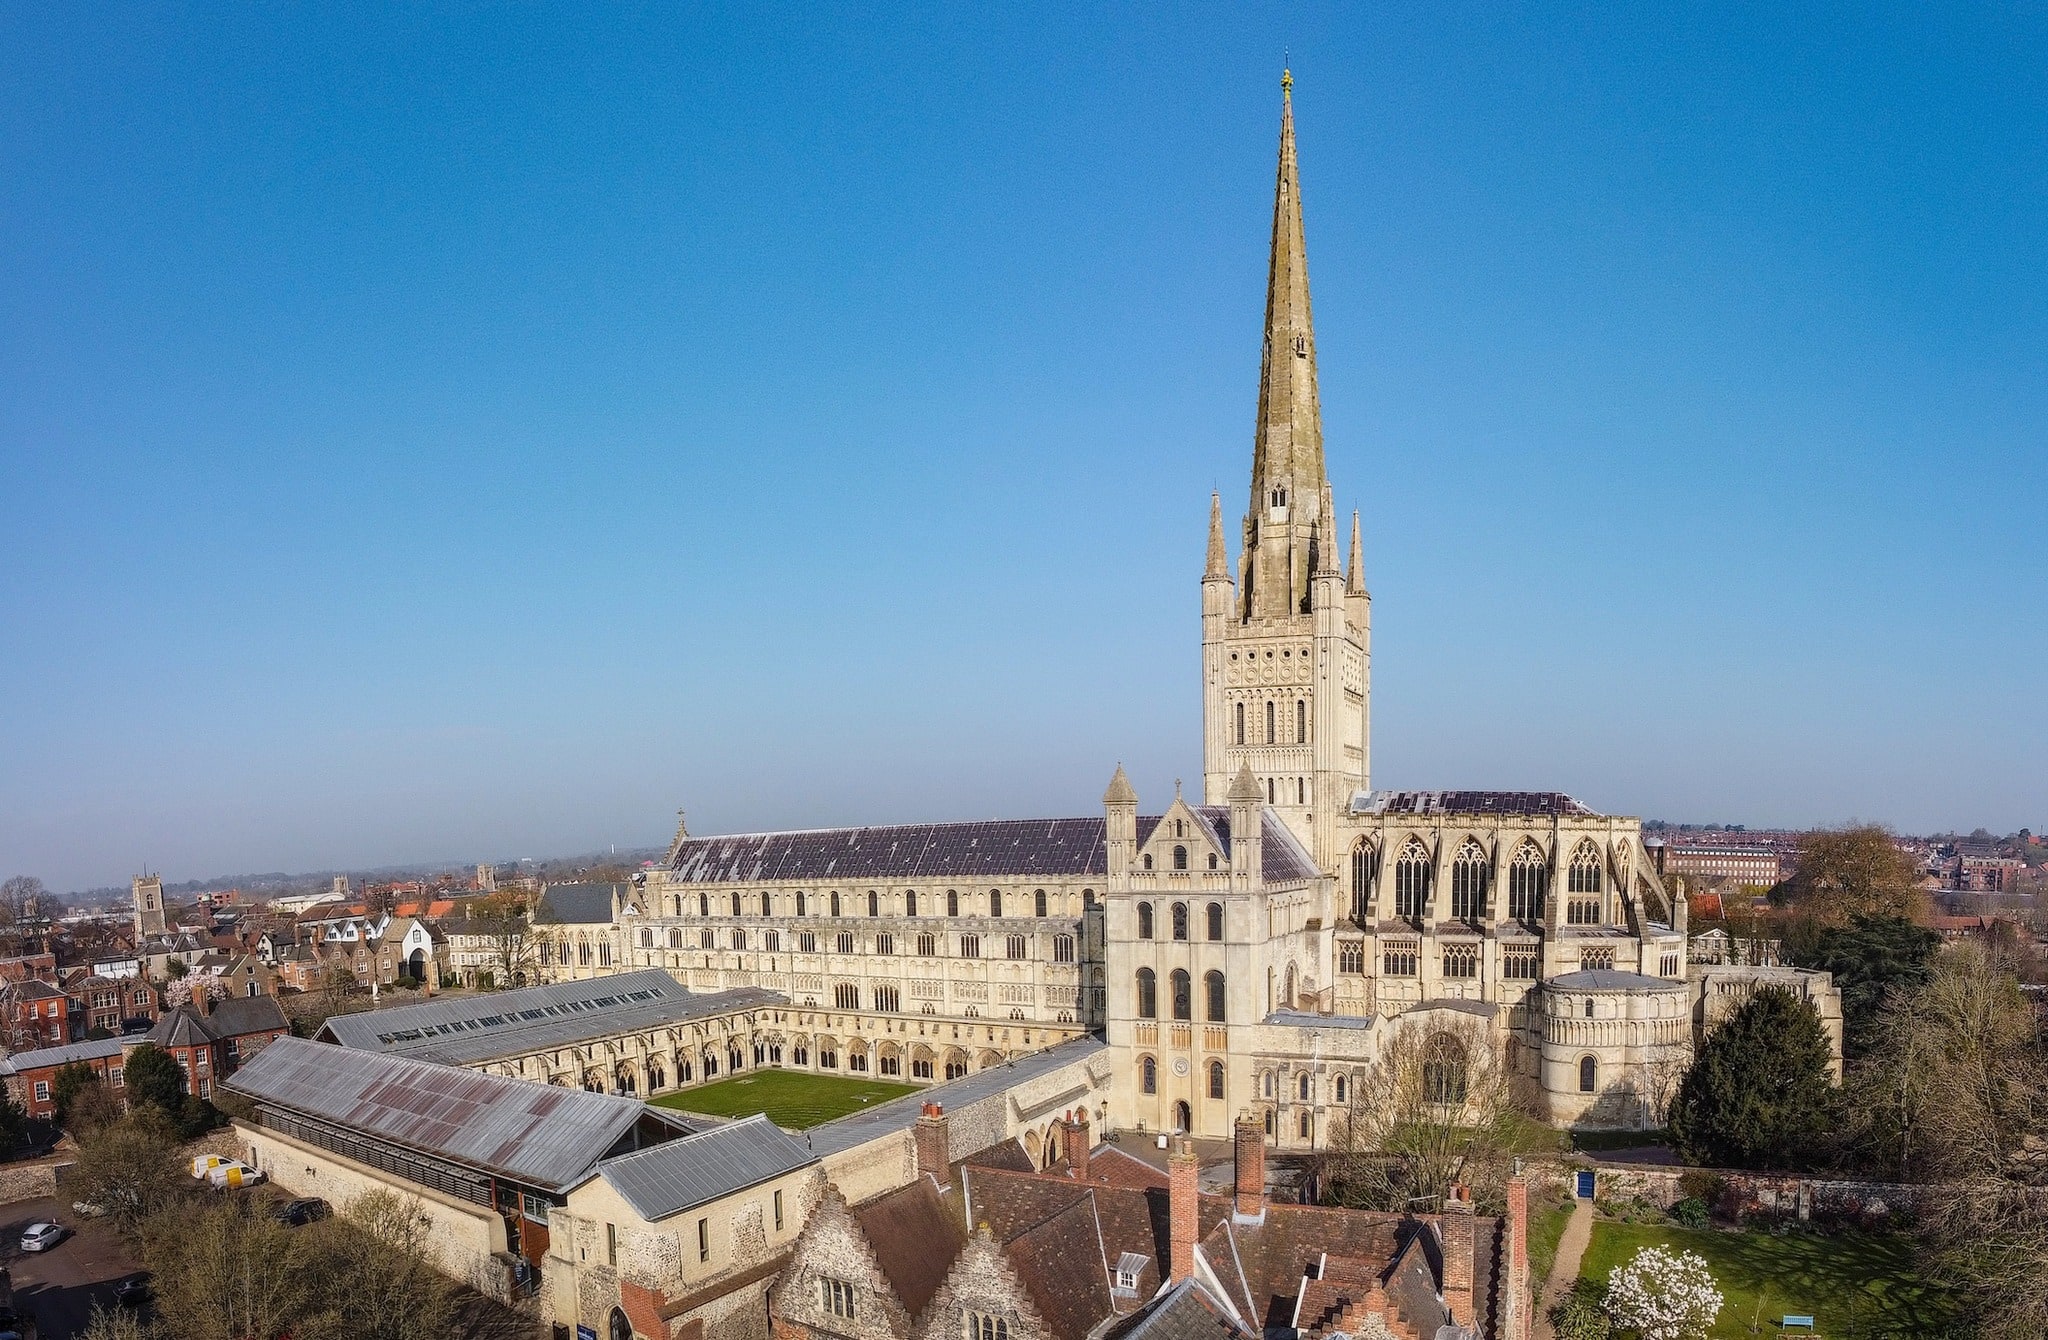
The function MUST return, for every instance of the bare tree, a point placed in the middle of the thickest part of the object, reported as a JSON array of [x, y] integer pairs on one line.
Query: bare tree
[[1857, 870], [383, 1268], [222, 1271], [21, 897], [512, 944], [130, 1167]]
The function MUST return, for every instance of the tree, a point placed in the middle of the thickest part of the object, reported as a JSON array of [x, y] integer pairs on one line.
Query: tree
[[1436, 1112], [1871, 958], [1852, 871], [382, 1270], [1664, 1294], [13, 1119], [21, 897], [227, 1271], [131, 1167], [1759, 1093], [512, 944], [80, 1098], [154, 1078], [115, 1323]]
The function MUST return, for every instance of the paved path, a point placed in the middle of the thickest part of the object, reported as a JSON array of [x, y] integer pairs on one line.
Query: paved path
[[1571, 1248]]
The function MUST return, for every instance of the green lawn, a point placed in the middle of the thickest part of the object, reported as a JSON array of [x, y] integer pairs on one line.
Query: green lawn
[[1853, 1284], [791, 1098], [1546, 1226]]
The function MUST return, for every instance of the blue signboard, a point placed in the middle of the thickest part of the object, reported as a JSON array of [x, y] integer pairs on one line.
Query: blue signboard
[[584, 1332]]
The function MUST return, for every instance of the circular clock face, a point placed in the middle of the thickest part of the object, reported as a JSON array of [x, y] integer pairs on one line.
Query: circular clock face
[[1180, 1065]]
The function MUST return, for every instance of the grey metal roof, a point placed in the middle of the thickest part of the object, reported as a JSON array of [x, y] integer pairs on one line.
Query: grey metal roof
[[1305, 1019], [985, 849], [472, 1029], [1542, 804], [698, 1169], [578, 904], [539, 1134], [65, 1055], [900, 1114], [1613, 979], [476, 1029]]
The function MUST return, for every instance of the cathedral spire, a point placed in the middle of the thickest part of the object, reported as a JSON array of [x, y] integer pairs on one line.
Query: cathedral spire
[[1287, 452], [1219, 557], [1355, 574]]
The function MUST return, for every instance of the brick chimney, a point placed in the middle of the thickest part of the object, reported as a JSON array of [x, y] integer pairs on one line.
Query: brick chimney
[[929, 1136], [1250, 1138], [1454, 1230], [1078, 1151], [1184, 1206], [202, 1005], [1520, 1308]]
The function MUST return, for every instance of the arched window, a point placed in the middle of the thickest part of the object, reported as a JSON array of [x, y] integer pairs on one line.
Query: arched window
[[995, 902], [1183, 992], [1469, 871], [835, 902], [1411, 879], [1148, 1075], [1240, 723], [1266, 1084], [1270, 736], [1180, 921], [707, 938], [1342, 1089], [1215, 921], [910, 902], [1302, 1087], [1443, 1071], [1215, 1079], [1148, 860], [1269, 787], [1300, 721], [1584, 874], [1269, 1123], [1062, 949], [1589, 1007], [703, 904], [1144, 921], [736, 902], [1365, 867], [845, 942], [1038, 902], [1301, 790], [1589, 1074], [952, 902], [1528, 877], [1180, 858], [874, 903], [1303, 1124], [981, 1326], [1212, 860], [1148, 994], [739, 939], [846, 995], [766, 906], [1212, 983]]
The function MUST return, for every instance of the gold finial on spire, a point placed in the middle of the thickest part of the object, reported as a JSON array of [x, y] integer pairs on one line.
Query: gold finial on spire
[[1286, 83]]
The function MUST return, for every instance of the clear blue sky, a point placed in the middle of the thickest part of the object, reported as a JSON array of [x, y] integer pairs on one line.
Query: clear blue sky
[[446, 434]]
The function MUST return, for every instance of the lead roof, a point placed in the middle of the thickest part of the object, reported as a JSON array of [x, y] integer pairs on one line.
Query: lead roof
[[698, 1169], [1539, 804]]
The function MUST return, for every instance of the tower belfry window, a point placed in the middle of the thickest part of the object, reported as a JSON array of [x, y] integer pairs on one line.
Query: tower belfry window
[[1269, 721], [1301, 346]]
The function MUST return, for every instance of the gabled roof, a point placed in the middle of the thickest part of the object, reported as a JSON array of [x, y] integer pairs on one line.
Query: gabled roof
[[578, 904], [1187, 1311], [538, 1134], [45, 1057], [916, 1234], [698, 1169], [900, 1114]]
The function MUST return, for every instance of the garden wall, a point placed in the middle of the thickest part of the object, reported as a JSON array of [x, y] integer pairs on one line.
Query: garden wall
[[1740, 1194]]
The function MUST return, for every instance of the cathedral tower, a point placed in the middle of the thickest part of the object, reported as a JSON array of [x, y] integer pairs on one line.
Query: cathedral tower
[[1286, 661]]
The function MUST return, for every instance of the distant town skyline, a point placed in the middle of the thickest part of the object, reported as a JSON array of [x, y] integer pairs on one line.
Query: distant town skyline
[[433, 433]]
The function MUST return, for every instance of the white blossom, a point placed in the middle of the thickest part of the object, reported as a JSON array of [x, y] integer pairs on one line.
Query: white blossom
[[1664, 1294]]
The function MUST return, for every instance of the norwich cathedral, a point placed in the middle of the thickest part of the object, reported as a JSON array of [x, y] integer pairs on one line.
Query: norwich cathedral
[[1248, 953]]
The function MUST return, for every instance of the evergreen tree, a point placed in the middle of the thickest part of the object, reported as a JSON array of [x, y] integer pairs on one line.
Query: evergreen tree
[[1870, 958], [1758, 1094], [154, 1077]]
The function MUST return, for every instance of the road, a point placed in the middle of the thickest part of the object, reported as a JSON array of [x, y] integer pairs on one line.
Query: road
[[59, 1287]]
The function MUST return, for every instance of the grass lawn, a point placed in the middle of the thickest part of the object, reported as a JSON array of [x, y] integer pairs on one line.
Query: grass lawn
[[791, 1098], [1854, 1284], [1546, 1226]]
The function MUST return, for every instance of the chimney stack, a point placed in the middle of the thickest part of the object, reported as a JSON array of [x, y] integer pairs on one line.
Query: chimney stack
[[202, 1005], [1454, 1230], [929, 1136], [1184, 1206], [1520, 1308], [1078, 1151], [1251, 1169]]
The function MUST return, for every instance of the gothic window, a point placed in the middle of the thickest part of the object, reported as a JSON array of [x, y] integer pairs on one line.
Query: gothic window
[[739, 939], [981, 1326], [1062, 949], [1038, 903], [970, 946], [927, 945], [1215, 1079], [1183, 1004], [1144, 921], [836, 1297], [1584, 873], [846, 996], [1398, 961], [1266, 1084], [1180, 858], [1148, 994], [1240, 723], [995, 902], [1270, 734], [952, 902], [1303, 1088], [1528, 878], [1596, 958], [1341, 1089], [1469, 871], [845, 942], [1461, 960], [647, 937], [1180, 921], [1215, 921], [1351, 956], [703, 904], [1148, 1075], [1518, 964], [1582, 911], [1365, 864], [707, 939], [1212, 983], [1300, 721], [806, 942], [874, 903], [835, 902], [1589, 1074], [771, 941], [885, 943], [1014, 946], [1443, 1071], [1411, 879]]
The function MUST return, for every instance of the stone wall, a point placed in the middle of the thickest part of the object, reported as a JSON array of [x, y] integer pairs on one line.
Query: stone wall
[[30, 1181], [1749, 1193]]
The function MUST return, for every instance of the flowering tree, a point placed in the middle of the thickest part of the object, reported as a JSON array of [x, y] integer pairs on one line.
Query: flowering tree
[[1664, 1295], [179, 990]]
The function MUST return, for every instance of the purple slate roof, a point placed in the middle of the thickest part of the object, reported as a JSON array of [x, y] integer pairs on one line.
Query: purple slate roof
[[1543, 803], [975, 850]]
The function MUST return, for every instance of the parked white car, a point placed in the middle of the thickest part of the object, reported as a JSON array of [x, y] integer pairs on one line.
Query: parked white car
[[40, 1237]]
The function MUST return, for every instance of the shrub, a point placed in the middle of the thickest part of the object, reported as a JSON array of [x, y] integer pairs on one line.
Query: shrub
[[1690, 1212], [1582, 1313], [1664, 1295]]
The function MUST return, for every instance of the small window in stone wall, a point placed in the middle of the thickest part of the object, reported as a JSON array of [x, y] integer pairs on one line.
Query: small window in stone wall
[[836, 1297], [1351, 956]]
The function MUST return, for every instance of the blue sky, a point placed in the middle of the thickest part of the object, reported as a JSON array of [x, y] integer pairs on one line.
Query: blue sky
[[478, 432]]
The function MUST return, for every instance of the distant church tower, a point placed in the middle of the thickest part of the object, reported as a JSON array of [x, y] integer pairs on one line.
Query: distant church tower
[[1286, 644], [149, 905]]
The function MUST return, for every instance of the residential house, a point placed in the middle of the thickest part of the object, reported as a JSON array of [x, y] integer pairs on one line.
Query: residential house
[[32, 1075], [35, 1013], [211, 1040]]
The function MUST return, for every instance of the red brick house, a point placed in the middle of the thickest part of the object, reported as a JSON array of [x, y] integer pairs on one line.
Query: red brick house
[[35, 1014], [32, 1075], [211, 1039]]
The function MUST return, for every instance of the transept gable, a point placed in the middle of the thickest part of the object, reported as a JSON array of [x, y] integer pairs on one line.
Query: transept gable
[[1184, 839]]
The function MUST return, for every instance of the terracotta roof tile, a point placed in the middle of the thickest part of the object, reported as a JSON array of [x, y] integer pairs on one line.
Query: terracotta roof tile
[[916, 1235]]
